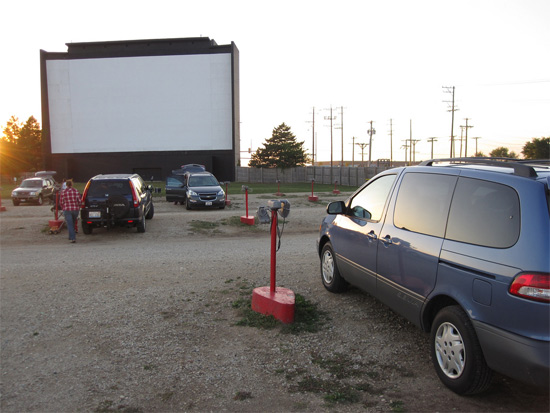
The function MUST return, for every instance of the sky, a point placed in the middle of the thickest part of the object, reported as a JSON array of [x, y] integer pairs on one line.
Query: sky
[[389, 62]]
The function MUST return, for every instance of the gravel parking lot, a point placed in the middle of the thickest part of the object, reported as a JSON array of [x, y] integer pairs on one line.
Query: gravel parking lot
[[130, 322]]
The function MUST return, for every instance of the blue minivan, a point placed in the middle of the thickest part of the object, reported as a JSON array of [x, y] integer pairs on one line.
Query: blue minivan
[[460, 247]]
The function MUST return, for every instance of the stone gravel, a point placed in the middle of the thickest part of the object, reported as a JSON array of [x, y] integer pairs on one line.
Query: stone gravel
[[122, 321]]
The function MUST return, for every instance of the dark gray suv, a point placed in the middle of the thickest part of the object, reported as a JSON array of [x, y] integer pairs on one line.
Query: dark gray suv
[[461, 249]]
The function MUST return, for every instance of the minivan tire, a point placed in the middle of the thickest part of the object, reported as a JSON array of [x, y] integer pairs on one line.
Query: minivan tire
[[330, 275], [456, 353]]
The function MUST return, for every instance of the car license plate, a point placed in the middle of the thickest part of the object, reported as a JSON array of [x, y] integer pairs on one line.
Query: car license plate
[[94, 214], [208, 203]]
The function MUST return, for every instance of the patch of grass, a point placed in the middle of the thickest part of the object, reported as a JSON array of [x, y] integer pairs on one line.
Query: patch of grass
[[235, 221], [341, 366], [307, 317], [203, 227], [104, 406], [166, 396], [242, 395], [333, 390], [397, 406], [271, 188]]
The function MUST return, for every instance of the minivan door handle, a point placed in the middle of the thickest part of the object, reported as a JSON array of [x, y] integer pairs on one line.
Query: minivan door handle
[[372, 235], [386, 240]]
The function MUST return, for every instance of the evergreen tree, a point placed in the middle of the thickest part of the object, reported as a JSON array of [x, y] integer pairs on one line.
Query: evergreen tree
[[280, 151]]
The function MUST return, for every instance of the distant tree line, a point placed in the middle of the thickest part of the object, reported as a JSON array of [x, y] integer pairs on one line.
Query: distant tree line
[[21, 149]]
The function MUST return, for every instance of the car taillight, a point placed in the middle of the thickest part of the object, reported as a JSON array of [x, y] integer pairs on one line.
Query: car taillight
[[84, 195], [532, 286], [134, 194]]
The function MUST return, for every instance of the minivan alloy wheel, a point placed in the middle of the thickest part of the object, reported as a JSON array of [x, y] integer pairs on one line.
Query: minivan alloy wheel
[[328, 266], [449, 350]]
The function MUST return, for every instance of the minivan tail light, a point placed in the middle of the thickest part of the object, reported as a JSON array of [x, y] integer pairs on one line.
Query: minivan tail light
[[134, 194], [532, 286]]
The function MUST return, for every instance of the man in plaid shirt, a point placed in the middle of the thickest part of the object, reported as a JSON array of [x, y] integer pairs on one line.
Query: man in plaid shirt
[[70, 203]]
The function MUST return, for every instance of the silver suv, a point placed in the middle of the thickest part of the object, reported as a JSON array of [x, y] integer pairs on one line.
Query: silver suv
[[33, 190], [461, 249]]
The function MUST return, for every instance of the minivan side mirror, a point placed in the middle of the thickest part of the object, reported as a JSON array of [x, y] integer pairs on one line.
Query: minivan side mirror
[[335, 208]]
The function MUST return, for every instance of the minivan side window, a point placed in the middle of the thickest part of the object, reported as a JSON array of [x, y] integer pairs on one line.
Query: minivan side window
[[484, 213], [423, 203], [369, 203]]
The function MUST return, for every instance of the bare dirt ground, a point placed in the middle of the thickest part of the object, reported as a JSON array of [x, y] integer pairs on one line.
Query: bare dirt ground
[[130, 322]]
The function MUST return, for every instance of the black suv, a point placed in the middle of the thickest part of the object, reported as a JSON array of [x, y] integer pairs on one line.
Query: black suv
[[116, 200]]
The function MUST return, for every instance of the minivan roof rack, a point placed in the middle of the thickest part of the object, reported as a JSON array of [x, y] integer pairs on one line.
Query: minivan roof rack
[[519, 168]]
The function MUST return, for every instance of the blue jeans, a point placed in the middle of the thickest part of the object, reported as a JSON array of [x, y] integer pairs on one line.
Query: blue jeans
[[71, 217]]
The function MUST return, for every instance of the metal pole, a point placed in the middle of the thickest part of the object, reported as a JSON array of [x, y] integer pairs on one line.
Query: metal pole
[[273, 249]]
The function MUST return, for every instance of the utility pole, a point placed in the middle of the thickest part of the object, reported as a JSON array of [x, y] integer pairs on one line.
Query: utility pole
[[353, 151], [406, 147], [410, 140], [452, 109], [312, 137], [413, 143], [461, 139], [371, 132], [476, 138], [432, 140], [331, 118], [466, 137], [362, 146], [391, 143]]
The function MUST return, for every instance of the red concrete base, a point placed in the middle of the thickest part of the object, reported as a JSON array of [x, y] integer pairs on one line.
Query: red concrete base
[[2, 208], [313, 198], [55, 225], [279, 304], [249, 220], [279, 194], [227, 202], [335, 191]]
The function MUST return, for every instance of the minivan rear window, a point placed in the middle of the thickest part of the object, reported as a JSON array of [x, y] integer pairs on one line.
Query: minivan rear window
[[484, 213]]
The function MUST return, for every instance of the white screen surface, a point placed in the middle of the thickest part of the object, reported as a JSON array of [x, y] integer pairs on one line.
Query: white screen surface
[[132, 104]]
